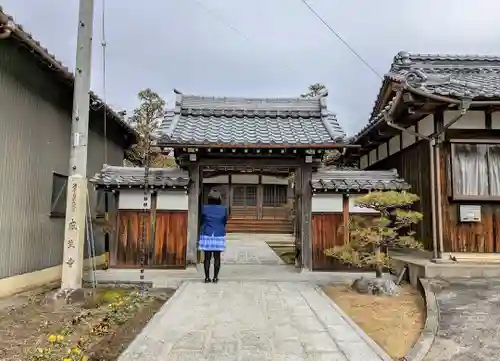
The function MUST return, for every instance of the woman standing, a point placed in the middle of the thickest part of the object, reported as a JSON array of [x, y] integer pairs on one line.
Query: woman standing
[[213, 233]]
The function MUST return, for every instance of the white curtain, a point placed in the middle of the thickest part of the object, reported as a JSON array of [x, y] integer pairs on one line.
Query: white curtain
[[470, 169], [494, 169]]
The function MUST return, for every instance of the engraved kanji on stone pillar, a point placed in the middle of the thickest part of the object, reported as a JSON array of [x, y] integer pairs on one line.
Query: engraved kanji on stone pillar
[[74, 234], [70, 262]]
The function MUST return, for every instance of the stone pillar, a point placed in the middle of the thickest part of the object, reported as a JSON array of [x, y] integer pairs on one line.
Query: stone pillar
[[74, 234]]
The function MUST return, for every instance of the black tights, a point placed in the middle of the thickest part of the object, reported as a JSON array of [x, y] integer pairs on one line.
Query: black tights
[[206, 263]]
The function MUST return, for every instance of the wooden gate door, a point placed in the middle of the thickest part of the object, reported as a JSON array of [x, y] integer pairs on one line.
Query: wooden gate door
[[130, 233], [244, 203], [170, 240]]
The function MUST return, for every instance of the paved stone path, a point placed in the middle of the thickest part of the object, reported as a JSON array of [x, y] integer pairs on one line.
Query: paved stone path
[[245, 249], [245, 321], [469, 320]]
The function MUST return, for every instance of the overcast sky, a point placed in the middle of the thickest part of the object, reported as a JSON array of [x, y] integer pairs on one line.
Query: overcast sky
[[279, 47]]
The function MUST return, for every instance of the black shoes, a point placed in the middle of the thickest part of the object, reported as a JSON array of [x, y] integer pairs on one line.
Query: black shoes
[[215, 280], [207, 280]]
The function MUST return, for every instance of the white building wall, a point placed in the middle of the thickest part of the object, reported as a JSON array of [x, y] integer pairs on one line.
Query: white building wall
[[495, 120], [220, 179], [332, 203], [132, 199], [473, 119], [408, 139], [327, 203], [373, 156], [266, 179], [394, 145], [172, 201], [426, 125], [245, 179], [382, 151], [363, 162]]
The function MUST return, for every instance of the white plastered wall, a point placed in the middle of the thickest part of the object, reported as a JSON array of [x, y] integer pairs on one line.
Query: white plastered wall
[[172, 200]]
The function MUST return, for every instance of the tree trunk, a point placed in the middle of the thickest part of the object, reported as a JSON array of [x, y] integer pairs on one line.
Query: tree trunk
[[379, 265]]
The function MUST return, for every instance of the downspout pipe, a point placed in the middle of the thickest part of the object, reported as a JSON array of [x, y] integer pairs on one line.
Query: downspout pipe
[[434, 141]]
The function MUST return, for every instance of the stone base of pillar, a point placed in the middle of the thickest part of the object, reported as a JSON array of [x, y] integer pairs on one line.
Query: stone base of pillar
[[61, 297]]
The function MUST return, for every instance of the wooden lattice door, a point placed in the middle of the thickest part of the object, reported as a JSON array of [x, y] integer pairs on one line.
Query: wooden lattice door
[[244, 202]]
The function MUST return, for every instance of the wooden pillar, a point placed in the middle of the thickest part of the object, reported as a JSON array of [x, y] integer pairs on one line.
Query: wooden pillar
[[298, 215], [306, 216], [115, 231], [152, 229], [229, 194], [345, 217], [193, 211]]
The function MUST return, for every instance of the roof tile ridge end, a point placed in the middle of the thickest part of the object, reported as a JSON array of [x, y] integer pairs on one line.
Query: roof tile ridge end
[[325, 119]]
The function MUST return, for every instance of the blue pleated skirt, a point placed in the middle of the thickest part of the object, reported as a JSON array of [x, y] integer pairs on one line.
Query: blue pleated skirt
[[212, 243]]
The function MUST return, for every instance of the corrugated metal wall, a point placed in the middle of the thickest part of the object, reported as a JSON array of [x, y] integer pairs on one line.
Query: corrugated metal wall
[[34, 143]]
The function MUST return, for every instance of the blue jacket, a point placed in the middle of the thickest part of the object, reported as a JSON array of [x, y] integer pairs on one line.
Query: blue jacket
[[213, 220]]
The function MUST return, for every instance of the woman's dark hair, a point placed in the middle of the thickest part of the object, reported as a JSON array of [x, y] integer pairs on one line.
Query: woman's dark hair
[[214, 197]]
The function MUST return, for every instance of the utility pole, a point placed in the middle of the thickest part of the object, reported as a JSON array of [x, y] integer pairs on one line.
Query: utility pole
[[76, 206]]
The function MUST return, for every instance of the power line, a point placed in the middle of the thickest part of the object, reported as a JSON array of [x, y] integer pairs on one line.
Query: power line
[[341, 39], [231, 27], [221, 20]]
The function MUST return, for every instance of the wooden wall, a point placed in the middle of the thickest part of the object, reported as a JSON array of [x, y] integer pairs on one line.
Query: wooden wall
[[327, 232], [165, 244], [170, 239], [127, 249], [413, 165], [484, 236]]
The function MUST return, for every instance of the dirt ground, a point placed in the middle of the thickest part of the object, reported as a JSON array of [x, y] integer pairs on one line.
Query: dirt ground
[[98, 330], [287, 254], [394, 322]]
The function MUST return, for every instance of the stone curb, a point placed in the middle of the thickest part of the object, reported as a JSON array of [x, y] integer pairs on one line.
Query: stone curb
[[373, 345], [421, 348]]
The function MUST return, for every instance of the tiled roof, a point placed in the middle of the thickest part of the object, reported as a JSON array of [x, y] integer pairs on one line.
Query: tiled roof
[[455, 76], [458, 76], [198, 120], [357, 180], [64, 74], [112, 176]]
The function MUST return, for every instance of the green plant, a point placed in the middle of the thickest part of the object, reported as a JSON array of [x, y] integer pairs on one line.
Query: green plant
[[41, 353], [121, 305], [370, 236], [75, 354]]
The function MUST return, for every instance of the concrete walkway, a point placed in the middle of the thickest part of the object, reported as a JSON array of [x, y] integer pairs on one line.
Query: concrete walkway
[[247, 249], [469, 320], [249, 320]]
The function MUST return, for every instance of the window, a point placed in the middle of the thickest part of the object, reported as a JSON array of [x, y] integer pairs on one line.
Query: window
[[275, 195], [245, 196], [476, 170], [59, 194]]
